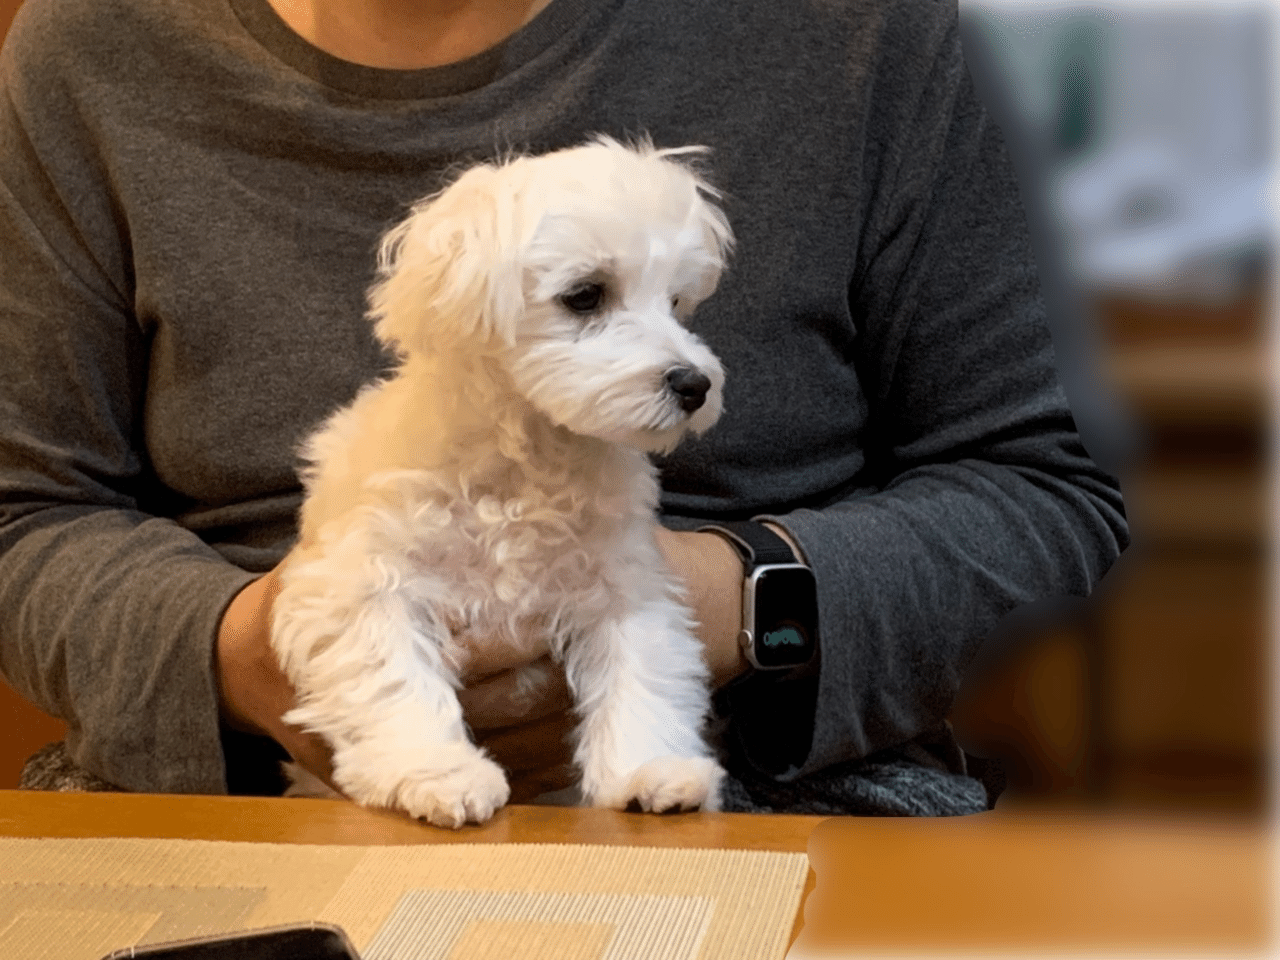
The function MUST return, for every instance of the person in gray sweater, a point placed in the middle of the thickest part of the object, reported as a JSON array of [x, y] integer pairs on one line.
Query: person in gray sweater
[[191, 195]]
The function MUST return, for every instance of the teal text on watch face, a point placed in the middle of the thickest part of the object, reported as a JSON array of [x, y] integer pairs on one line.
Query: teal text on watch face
[[786, 616], [784, 635]]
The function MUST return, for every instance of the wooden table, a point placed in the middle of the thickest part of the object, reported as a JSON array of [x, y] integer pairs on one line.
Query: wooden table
[[1030, 880], [254, 820]]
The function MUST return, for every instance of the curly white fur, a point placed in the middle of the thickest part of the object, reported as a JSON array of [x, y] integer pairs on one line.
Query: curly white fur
[[496, 489]]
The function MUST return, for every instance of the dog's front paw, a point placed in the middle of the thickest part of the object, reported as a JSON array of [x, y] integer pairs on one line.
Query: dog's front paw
[[667, 783], [447, 784], [468, 793]]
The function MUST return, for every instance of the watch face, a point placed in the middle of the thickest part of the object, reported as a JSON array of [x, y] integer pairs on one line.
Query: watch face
[[786, 616]]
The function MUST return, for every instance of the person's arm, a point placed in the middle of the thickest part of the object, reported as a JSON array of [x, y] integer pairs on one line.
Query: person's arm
[[985, 498], [107, 613]]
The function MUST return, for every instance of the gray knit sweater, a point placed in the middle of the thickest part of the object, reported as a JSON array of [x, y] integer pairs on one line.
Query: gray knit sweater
[[190, 198]]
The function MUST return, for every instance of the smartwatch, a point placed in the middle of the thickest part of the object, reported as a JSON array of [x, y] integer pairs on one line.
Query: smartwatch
[[779, 597]]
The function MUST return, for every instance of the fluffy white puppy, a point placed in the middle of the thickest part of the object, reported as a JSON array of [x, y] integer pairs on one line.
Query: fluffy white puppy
[[496, 489]]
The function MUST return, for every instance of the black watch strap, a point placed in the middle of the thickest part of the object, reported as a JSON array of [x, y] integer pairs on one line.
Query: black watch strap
[[756, 544]]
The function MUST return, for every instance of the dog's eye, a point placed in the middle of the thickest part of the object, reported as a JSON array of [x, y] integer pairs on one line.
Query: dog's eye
[[675, 303], [585, 299]]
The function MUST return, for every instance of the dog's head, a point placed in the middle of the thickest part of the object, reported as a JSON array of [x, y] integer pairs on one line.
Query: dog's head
[[577, 271]]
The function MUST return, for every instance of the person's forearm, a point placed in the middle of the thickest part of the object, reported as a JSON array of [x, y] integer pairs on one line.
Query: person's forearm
[[912, 579], [107, 619]]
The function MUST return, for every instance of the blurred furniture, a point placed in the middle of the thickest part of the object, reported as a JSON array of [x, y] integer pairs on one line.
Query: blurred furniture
[[1183, 666]]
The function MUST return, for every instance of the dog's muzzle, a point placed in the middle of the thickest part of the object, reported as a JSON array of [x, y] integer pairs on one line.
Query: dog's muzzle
[[690, 386]]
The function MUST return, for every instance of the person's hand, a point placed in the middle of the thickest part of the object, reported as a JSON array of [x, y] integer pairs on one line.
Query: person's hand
[[524, 718]]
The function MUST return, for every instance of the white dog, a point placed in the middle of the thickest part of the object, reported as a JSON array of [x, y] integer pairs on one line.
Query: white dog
[[497, 489]]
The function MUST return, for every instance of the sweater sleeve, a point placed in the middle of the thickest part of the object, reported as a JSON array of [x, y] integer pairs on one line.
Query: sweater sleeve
[[984, 498], [107, 612]]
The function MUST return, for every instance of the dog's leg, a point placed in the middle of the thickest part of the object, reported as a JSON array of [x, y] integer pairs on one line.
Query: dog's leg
[[641, 688], [366, 661]]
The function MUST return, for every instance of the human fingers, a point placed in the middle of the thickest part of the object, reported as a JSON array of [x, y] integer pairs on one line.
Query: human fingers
[[516, 697], [538, 745], [523, 718], [537, 756], [530, 785], [488, 660]]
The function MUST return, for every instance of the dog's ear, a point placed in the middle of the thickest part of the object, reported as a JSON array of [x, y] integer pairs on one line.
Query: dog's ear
[[450, 273]]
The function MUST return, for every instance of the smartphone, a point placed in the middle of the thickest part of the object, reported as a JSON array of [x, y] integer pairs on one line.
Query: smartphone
[[303, 941]]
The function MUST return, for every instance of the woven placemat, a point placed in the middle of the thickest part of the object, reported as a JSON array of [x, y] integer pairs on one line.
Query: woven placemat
[[72, 899]]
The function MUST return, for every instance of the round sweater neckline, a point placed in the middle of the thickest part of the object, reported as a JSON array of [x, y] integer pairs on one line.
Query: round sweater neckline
[[556, 20]]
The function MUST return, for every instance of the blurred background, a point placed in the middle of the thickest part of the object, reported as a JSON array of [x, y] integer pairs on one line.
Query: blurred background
[[1143, 137]]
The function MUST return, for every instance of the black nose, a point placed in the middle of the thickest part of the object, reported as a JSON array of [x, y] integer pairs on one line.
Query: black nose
[[690, 386]]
